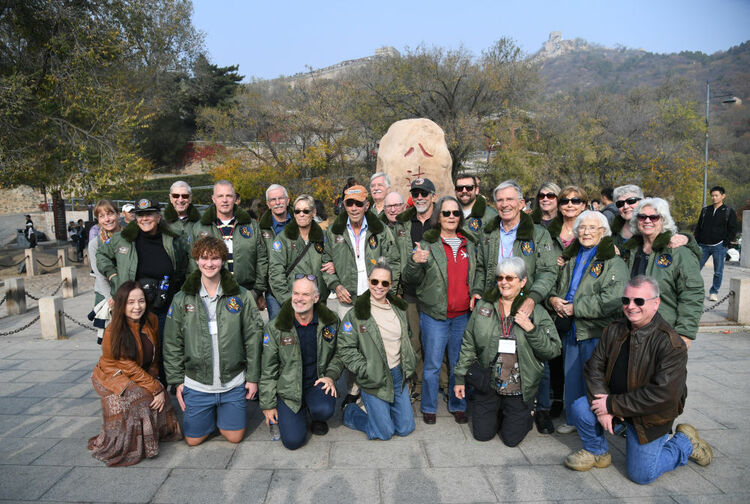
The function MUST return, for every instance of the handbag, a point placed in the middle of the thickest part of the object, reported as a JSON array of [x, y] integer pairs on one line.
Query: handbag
[[481, 377]]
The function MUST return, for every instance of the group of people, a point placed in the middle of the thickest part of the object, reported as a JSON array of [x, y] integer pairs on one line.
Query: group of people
[[520, 316]]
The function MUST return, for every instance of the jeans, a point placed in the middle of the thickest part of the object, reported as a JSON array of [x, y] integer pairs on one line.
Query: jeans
[[162, 317], [644, 462], [293, 426], [272, 305], [543, 399], [436, 335], [383, 419], [575, 355], [719, 253]]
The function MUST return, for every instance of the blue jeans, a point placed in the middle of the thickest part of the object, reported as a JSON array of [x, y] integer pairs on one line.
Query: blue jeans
[[383, 419], [272, 305], [645, 462], [575, 355], [543, 401], [293, 426], [436, 336], [719, 253]]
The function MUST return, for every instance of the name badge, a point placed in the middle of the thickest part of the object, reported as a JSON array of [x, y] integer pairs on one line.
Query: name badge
[[213, 327], [506, 346]]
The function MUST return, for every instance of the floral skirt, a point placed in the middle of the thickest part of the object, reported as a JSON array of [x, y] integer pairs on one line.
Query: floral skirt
[[131, 430]]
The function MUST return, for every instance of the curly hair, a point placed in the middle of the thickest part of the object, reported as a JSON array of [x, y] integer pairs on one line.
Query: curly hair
[[210, 246]]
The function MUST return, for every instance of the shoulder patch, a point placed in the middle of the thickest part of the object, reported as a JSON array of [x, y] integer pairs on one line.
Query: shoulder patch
[[373, 241], [347, 326], [527, 247], [234, 304], [169, 312], [319, 248], [475, 224], [484, 311], [246, 231], [596, 269], [277, 245], [266, 339], [664, 261], [328, 333]]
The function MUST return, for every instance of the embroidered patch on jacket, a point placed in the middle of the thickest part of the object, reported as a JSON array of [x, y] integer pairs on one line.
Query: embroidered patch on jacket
[[347, 326], [266, 339], [202, 234], [362, 328], [596, 269], [190, 308], [664, 260], [401, 232], [277, 245], [328, 333], [319, 248], [265, 234], [293, 245], [527, 247], [475, 224], [338, 239], [246, 231], [169, 312], [234, 304], [123, 250], [287, 340], [373, 241], [487, 241], [484, 311]]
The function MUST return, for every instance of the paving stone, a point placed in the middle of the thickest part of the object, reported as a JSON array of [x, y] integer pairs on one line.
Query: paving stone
[[45, 364], [429, 485], [20, 425], [548, 449], [16, 405], [49, 390], [21, 451], [66, 407], [67, 452], [68, 427], [730, 475], [6, 364], [728, 442], [28, 483], [272, 454], [212, 454], [399, 453], [9, 375], [739, 498], [106, 484], [13, 389], [327, 486], [52, 376], [523, 483], [449, 453], [210, 486]]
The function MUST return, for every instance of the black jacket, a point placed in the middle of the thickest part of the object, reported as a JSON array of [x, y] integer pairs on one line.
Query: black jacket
[[714, 227]]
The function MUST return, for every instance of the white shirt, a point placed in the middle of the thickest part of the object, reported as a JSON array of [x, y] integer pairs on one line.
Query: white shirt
[[359, 254]]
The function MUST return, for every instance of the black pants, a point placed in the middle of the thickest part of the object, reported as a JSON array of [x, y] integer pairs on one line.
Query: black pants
[[508, 416]]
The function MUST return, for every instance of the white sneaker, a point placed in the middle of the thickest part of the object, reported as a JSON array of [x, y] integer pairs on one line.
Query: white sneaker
[[565, 429], [713, 297]]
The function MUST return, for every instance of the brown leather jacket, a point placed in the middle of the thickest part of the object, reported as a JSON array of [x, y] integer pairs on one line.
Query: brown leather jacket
[[657, 370], [115, 375]]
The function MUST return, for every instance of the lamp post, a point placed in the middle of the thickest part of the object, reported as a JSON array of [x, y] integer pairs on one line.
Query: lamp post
[[729, 99]]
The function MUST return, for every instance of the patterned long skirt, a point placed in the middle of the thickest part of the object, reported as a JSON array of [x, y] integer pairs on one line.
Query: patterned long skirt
[[131, 430]]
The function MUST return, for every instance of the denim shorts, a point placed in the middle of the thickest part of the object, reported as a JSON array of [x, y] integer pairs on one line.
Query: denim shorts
[[203, 412]]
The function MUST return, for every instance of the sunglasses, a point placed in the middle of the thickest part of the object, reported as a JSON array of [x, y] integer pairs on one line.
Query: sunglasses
[[302, 210], [461, 188], [384, 283], [353, 202], [638, 301], [312, 278], [419, 193], [178, 196], [507, 278], [629, 201], [575, 201], [542, 196], [448, 213], [652, 218]]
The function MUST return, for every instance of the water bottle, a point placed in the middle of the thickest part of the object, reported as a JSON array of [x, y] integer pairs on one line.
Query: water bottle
[[162, 293], [273, 428]]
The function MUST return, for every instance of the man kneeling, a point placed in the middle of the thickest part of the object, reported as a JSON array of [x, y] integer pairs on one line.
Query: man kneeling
[[636, 375], [300, 365]]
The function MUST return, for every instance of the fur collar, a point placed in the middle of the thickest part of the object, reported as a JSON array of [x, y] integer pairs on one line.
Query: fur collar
[[291, 231], [555, 227], [229, 285], [362, 305], [374, 224], [170, 214], [604, 252], [525, 227], [480, 206], [266, 219], [285, 318], [406, 215], [661, 242], [492, 296], [617, 224], [432, 235], [130, 233], [209, 216]]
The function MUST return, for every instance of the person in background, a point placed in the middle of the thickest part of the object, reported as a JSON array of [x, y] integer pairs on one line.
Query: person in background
[[393, 206], [29, 232], [380, 186], [595, 205], [127, 214], [715, 231], [272, 224], [477, 213], [180, 213], [607, 207]]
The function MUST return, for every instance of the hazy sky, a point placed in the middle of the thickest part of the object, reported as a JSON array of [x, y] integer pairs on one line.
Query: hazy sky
[[272, 38]]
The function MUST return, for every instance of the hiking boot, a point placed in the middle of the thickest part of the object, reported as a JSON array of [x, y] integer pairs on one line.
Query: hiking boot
[[543, 422], [583, 460], [702, 452]]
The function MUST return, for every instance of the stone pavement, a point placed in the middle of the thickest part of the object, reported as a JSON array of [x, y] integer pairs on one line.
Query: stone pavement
[[48, 410]]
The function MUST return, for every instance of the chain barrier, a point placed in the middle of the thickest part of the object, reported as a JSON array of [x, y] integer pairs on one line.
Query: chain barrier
[[59, 286], [13, 265], [729, 294], [78, 323], [4, 298], [49, 265], [22, 328]]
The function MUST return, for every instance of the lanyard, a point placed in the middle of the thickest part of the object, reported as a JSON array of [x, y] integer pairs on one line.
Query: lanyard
[[506, 330]]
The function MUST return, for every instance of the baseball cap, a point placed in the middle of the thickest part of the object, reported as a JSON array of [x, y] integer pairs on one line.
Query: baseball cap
[[356, 192], [424, 184], [146, 205], [128, 207]]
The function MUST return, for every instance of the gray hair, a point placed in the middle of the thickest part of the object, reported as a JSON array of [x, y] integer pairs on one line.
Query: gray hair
[[506, 184], [224, 183], [640, 280], [661, 207], [396, 193], [382, 174], [274, 187], [181, 183], [627, 189], [551, 186], [592, 214], [307, 199], [512, 265], [316, 289]]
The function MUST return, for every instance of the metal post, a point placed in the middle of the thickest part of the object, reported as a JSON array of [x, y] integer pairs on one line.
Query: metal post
[[705, 167]]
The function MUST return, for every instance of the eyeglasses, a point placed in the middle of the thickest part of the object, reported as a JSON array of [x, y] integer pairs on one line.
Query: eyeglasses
[[588, 229], [178, 196], [384, 283], [507, 278], [652, 218], [353, 202], [312, 278], [629, 201], [394, 206], [419, 193], [638, 301], [467, 188], [302, 210], [575, 201], [542, 196], [448, 213]]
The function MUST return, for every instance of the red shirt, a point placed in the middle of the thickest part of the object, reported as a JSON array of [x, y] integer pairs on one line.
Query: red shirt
[[458, 279]]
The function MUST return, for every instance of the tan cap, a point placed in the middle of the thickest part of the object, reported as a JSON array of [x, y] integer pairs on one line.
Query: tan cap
[[356, 192]]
